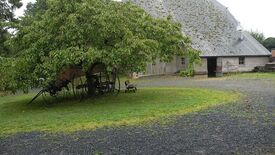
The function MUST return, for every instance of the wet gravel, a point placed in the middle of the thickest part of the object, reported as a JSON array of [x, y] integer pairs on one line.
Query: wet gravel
[[243, 128]]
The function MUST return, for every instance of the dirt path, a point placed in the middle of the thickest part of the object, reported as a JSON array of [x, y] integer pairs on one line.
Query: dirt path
[[243, 128]]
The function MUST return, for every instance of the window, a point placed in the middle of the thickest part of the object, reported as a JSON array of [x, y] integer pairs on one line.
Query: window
[[182, 61], [241, 60]]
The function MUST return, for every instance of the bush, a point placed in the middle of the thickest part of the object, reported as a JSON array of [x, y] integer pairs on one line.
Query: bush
[[259, 69], [187, 73]]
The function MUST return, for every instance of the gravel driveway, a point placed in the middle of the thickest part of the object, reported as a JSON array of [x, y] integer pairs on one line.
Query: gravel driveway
[[242, 128]]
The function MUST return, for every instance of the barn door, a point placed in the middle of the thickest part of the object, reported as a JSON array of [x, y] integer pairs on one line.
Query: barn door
[[219, 68], [212, 66]]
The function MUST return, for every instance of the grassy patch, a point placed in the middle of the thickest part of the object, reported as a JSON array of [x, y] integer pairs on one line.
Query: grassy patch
[[112, 110], [252, 75]]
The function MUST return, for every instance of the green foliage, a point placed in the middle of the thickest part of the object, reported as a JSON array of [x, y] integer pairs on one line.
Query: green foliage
[[187, 73], [55, 34], [7, 8], [147, 105], [13, 77], [4, 36], [39, 7], [258, 36], [193, 57], [269, 43]]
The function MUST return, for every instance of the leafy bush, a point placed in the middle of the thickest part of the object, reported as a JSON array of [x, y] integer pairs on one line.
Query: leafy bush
[[187, 73], [193, 57]]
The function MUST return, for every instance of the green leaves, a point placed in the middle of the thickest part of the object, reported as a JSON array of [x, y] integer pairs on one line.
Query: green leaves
[[258, 36], [269, 43]]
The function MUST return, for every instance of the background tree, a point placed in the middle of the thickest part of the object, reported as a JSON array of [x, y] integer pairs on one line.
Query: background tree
[[77, 32], [258, 36], [7, 8], [269, 43], [39, 7]]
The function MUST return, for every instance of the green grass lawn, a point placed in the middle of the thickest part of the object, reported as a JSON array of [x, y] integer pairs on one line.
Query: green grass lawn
[[146, 105]]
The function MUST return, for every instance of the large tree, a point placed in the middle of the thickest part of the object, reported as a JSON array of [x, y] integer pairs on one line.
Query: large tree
[[77, 32], [7, 8], [39, 7]]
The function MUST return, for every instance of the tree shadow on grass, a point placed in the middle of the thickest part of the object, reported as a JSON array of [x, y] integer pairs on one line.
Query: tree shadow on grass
[[49, 102]]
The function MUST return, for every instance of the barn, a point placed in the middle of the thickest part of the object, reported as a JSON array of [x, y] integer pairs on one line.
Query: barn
[[224, 46]]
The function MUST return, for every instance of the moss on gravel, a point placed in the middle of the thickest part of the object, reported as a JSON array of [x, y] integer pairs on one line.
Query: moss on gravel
[[270, 75]]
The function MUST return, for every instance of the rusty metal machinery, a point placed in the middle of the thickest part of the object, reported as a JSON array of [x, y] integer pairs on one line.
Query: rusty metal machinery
[[74, 82]]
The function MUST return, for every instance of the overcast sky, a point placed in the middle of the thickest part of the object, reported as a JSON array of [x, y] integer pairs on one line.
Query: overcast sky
[[256, 15]]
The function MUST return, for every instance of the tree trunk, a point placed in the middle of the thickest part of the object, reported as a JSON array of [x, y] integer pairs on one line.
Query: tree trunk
[[91, 85]]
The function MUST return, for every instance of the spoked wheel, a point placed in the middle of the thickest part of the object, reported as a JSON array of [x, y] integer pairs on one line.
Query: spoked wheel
[[75, 83], [79, 87], [65, 94]]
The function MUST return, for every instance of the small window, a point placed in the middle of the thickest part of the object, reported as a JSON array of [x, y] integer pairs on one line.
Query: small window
[[241, 60], [183, 61]]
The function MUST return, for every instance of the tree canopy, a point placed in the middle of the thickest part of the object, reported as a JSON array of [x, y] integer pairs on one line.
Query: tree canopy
[[269, 43], [39, 7], [258, 36], [59, 33], [7, 8]]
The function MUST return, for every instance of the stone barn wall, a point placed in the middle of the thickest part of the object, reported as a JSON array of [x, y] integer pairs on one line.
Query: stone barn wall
[[231, 64], [201, 68], [160, 68]]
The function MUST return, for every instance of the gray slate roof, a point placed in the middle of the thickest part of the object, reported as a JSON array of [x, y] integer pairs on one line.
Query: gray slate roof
[[209, 24]]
